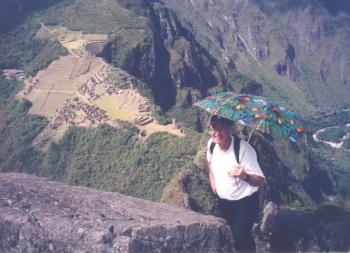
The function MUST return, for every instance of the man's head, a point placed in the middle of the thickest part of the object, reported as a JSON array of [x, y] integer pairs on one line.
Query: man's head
[[220, 129], [218, 119]]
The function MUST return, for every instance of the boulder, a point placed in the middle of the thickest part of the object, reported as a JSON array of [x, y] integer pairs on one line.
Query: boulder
[[38, 215], [323, 229]]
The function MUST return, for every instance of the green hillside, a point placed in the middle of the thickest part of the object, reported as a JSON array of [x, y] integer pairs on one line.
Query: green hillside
[[116, 160], [105, 158], [20, 49], [96, 17], [17, 131]]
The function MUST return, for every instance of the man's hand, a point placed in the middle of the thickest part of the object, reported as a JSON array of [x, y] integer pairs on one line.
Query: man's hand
[[238, 171], [253, 179]]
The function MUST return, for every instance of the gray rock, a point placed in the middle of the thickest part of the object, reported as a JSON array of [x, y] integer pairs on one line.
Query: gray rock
[[324, 229], [37, 215], [269, 214], [284, 226]]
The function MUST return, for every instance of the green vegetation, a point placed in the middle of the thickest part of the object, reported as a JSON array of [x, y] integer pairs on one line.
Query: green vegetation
[[336, 163], [183, 111], [105, 158], [346, 144], [333, 134], [115, 160], [95, 16], [14, 12], [332, 160], [338, 118], [19, 49], [196, 184], [137, 6], [17, 130], [127, 46]]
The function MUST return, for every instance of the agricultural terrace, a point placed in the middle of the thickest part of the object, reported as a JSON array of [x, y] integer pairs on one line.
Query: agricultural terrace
[[51, 87], [83, 77], [74, 41]]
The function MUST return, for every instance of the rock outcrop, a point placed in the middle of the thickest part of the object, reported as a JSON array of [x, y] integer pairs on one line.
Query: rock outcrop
[[321, 230], [288, 66], [168, 59], [37, 215]]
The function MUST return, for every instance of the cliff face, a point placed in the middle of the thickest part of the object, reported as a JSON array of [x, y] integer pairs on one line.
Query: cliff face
[[296, 49], [37, 215], [168, 58]]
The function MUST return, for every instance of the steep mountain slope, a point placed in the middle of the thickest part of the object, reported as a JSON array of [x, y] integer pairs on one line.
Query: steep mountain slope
[[296, 49], [168, 58]]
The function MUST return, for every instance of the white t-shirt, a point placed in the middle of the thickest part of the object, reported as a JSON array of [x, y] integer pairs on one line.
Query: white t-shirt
[[224, 161]]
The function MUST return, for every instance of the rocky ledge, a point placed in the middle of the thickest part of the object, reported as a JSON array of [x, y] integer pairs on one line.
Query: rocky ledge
[[38, 215]]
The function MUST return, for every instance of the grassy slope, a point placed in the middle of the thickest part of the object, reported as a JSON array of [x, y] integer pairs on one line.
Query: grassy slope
[[115, 160], [20, 49], [93, 17], [17, 130]]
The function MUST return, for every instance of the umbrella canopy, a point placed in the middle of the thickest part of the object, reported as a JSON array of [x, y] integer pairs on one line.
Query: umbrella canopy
[[258, 112]]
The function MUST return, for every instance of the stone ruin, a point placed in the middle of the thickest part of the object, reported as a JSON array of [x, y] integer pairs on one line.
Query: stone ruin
[[78, 113]]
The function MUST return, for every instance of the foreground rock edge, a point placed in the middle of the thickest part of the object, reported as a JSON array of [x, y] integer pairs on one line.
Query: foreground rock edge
[[38, 215]]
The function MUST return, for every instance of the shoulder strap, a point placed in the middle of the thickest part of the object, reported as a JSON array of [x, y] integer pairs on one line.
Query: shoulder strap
[[212, 146], [236, 146]]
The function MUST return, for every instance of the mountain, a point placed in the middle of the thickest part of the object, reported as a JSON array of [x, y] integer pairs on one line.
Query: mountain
[[297, 50], [100, 94]]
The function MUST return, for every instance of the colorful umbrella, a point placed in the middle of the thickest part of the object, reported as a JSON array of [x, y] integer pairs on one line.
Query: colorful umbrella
[[258, 112]]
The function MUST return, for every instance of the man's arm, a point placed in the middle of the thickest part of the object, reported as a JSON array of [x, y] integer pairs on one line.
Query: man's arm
[[211, 178], [251, 179]]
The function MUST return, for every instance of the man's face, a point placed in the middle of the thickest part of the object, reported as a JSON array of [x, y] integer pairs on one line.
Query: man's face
[[220, 132]]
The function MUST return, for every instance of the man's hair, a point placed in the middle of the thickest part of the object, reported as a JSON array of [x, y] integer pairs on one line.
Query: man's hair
[[216, 118]]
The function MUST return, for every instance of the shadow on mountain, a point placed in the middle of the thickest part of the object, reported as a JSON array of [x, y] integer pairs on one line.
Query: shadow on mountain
[[13, 12]]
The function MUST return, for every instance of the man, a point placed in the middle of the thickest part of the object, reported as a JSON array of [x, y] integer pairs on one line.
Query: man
[[236, 184]]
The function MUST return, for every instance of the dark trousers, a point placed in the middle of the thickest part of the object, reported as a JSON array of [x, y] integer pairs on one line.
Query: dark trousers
[[241, 215]]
